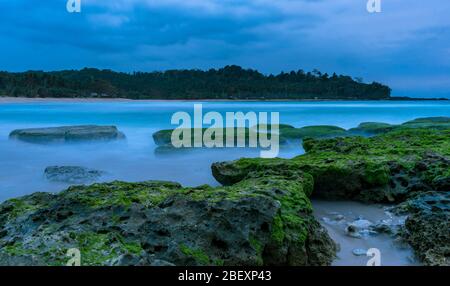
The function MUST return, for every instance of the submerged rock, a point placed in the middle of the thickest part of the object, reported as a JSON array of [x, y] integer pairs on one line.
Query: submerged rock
[[67, 134], [262, 220], [72, 174]]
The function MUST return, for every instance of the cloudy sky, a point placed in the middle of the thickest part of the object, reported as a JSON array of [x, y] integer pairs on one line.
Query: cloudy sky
[[406, 46]]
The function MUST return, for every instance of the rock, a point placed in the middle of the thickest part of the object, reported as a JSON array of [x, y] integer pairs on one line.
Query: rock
[[159, 262], [339, 217], [427, 228], [371, 128], [67, 134], [435, 120], [319, 131], [163, 138], [127, 260], [382, 169], [408, 166], [388, 226], [265, 219], [374, 128], [361, 224], [383, 228], [359, 252], [72, 174], [334, 219], [358, 228]]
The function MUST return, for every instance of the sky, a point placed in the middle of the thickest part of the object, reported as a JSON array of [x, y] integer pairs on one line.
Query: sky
[[406, 45]]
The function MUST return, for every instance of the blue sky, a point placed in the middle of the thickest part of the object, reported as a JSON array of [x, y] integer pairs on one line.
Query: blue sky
[[406, 46]]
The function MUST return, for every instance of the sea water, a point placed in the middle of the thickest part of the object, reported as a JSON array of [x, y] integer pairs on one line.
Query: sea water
[[134, 159]]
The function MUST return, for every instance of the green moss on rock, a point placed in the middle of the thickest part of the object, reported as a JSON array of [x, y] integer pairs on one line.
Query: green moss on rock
[[121, 223]]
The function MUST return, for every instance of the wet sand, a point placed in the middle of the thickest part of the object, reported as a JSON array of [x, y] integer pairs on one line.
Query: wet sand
[[393, 253]]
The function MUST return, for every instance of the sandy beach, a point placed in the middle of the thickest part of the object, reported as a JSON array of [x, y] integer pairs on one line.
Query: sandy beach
[[28, 99], [6, 99]]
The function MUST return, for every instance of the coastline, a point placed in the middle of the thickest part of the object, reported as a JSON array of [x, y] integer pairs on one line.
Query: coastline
[[6, 99]]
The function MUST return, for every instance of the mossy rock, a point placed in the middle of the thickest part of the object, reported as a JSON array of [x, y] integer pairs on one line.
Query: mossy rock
[[163, 138], [383, 168], [427, 227], [265, 219], [374, 128], [407, 166], [319, 131], [435, 120], [371, 128]]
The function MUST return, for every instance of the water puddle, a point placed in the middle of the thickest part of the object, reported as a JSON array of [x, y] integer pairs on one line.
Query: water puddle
[[358, 227]]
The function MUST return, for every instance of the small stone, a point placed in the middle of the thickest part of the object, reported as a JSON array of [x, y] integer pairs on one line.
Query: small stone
[[361, 224], [359, 252], [339, 217]]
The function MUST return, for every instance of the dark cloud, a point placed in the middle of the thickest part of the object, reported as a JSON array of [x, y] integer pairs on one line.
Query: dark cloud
[[406, 46]]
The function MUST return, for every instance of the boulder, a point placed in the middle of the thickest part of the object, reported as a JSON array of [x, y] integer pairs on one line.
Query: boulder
[[72, 174], [67, 134], [258, 221]]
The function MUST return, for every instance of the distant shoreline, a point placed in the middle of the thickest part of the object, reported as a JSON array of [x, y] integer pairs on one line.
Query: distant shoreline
[[80, 99]]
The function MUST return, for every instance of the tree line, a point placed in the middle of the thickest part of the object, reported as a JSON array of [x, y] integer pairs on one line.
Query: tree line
[[230, 82]]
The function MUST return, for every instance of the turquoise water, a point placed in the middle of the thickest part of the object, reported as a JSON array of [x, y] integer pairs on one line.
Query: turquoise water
[[22, 164]]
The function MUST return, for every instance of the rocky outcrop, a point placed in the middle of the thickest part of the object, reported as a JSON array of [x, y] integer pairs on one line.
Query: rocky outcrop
[[427, 228], [397, 167], [67, 134], [72, 174], [383, 168], [262, 220]]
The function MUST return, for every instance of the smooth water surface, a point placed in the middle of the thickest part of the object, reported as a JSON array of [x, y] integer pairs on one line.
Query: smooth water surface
[[22, 164]]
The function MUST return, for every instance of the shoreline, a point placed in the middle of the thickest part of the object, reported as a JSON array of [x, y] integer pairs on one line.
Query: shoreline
[[5, 99]]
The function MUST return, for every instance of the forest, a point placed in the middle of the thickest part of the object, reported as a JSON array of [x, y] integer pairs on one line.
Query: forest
[[229, 82]]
